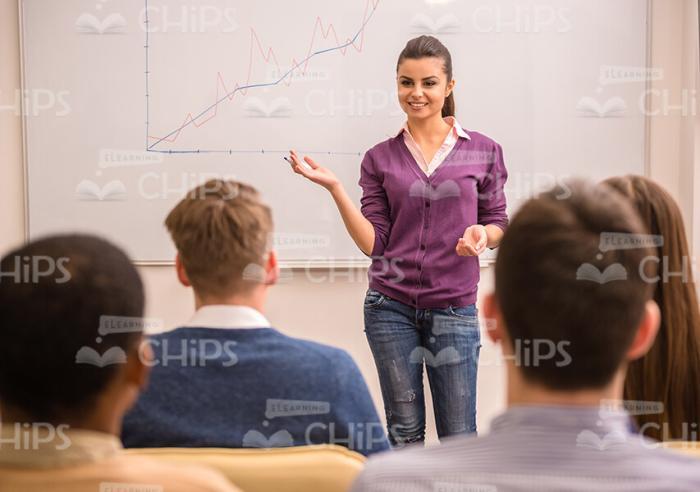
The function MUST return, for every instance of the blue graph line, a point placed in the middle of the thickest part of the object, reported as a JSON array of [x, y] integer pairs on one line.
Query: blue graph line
[[149, 148]]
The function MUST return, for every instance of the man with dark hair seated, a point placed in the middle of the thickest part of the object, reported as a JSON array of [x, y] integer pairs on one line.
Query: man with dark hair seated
[[572, 307], [71, 317]]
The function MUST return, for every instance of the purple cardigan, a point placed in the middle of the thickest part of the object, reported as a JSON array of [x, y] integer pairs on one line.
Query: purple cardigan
[[417, 219]]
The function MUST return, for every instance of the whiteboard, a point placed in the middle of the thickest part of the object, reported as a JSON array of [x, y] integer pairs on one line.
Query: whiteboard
[[130, 103]]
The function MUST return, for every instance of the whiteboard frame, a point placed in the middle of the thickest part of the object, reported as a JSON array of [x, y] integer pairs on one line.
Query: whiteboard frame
[[23, 124], [311, 263]]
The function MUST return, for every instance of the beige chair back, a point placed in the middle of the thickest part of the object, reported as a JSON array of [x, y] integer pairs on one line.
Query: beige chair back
[[321, 468]]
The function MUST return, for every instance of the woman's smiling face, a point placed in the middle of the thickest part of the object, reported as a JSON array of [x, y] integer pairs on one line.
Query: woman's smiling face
[[422, 86]]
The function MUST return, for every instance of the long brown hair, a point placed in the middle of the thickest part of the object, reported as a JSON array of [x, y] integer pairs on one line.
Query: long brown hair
[[427, 46], [670, 371]]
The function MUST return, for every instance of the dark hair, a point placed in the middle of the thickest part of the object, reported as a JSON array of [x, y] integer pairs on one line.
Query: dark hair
[[670, 371], [428, 46], [53, 293], [546, 290]]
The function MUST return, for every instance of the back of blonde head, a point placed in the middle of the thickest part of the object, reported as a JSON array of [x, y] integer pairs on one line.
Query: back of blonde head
[[222, 232]]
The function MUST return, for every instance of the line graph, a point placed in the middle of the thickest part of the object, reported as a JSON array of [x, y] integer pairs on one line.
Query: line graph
[[319, 32]]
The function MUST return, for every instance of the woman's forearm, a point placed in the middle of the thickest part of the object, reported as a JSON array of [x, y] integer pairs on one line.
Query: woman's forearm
[[360, 229]]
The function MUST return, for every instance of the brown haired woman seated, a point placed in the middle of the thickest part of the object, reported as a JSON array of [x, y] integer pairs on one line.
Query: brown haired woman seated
[[670, 372]]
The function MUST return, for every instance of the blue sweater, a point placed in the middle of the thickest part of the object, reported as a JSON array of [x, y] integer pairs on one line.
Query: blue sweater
[[251, 387]]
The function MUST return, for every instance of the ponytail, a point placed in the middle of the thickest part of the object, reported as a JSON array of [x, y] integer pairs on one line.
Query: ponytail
[[449, 107]]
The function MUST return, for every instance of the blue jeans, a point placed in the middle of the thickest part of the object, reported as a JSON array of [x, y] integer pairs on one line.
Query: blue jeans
[[402, 339]]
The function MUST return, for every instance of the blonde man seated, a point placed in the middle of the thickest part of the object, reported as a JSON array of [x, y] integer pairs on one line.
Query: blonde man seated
[[227, 378]]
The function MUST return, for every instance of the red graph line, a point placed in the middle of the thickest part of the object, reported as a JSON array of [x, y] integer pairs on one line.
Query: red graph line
[[256, 46]]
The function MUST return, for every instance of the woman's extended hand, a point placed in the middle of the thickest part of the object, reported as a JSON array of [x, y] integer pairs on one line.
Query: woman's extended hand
[[473, 242], [317, 173]]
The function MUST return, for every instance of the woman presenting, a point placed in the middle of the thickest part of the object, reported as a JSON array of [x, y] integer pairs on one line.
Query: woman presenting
[[432, 201]]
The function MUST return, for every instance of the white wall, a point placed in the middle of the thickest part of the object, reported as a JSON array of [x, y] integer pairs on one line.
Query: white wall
[[11, 180], [674, 143], [674, 48], [330, 311]]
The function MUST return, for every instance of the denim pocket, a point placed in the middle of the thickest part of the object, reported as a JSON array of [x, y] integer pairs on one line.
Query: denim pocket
[[374, 298], [467, 312]]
